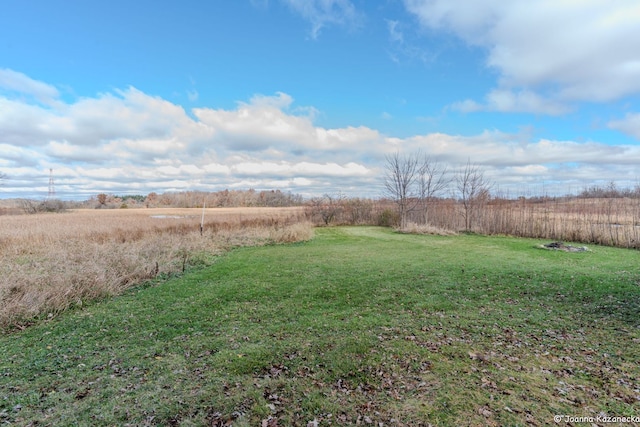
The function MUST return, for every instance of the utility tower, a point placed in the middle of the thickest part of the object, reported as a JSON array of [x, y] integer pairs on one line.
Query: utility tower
[[52, 189]]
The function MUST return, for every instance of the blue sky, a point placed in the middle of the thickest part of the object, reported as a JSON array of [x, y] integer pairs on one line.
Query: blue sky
[[309, 96]]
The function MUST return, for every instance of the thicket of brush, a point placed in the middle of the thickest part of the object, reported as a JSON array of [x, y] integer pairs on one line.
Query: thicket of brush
[[610, 221], [50, 262]]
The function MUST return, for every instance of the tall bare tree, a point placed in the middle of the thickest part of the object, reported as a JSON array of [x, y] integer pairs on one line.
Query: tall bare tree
[[402, 173], [473, 188], [433, 179]]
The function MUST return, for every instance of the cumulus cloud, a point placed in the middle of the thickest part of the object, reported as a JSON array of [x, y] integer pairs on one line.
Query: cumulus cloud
[[569, 50], [128, 141], [498, 149], [258, 125]]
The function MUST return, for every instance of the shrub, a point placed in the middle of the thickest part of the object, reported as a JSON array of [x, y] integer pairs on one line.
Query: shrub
[[388, 218]]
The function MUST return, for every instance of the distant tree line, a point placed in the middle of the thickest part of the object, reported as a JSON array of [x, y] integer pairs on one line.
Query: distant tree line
[[33, 206], [196, 199], [610, 191]]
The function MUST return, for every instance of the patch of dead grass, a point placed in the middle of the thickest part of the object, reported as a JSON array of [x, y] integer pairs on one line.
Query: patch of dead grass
[[50, 262], [413, 228]]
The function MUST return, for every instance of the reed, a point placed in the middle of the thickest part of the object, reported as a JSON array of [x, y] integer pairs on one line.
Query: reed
[[51, 262], [607, 221]]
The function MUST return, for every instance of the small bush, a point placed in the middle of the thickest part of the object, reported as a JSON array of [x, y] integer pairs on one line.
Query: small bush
[[388, 218], [33, 207]]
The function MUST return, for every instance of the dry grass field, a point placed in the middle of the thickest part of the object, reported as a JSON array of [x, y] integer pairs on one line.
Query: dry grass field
[[50, 262], [608, 222]]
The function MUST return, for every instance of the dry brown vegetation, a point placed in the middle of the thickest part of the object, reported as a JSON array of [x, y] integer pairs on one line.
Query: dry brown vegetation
[[609, 222], [602, 221], [50, 262]]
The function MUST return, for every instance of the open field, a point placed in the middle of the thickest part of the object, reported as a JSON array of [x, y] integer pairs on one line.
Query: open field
[[359, 326], [49, 262]]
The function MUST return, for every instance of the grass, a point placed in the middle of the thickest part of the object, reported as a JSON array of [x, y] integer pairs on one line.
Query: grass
[[359, 326], [50, 262]]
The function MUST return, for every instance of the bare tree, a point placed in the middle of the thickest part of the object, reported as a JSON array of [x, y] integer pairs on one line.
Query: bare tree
[[102, 200], [327, 207], [433, 179], [29, 206], [402, 173], [151, 200], [474, 191]]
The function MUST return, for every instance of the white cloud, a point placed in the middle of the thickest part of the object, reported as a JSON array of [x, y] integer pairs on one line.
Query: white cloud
[[128, 141], [322, 13], [630, 125], [19, 82], [302, 169], [258, 125], [395, 34], [93, 121], [498, 149], [192, 95], [348, 139], [522, 101], [280, 101], [260, 4], [468, 106], [570, 50], [403, 47]]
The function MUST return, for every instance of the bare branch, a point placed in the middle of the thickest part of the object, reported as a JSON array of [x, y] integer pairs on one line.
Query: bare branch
[[328, 207], [400, 179], [474, 189], [432, 181]]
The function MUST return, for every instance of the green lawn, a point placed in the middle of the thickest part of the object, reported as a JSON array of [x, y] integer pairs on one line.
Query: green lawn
[[358, 326]]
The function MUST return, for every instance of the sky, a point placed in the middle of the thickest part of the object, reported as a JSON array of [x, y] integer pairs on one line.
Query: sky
[[311, 96]]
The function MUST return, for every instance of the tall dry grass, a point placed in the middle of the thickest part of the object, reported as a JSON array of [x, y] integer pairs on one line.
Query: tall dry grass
[[50, 262], [608, 222], [612, 221]]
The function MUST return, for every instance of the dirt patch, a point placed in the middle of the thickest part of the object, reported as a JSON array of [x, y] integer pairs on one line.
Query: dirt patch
[[560, 246]]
